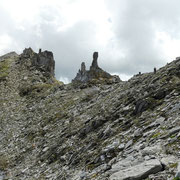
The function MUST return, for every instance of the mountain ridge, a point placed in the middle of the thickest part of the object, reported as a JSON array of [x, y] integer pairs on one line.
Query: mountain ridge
[[123, 130]]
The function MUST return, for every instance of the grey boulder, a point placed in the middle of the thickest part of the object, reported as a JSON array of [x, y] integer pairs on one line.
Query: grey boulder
[[139, 171]]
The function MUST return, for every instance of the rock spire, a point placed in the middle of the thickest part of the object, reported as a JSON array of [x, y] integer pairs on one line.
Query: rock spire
[[95, 74], [94, 62]]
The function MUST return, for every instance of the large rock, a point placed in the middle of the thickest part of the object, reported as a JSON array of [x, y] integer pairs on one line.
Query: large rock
[[139, 171], [141, 105], [45, 60], [95, 74], [42, 60]]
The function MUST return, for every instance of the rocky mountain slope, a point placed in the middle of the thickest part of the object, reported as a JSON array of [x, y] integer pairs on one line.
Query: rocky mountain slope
[[126, 130]]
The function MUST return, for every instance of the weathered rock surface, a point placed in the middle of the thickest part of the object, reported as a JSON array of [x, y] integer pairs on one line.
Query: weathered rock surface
[[42, 60], [49, 130], [8, 55], [178, 170], [95, 75], [138, 172]]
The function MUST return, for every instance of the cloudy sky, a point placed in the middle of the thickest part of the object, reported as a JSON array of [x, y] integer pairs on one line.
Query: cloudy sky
[[130, 35]]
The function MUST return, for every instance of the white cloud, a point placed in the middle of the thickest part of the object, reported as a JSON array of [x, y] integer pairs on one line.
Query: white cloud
[[5, 42], [131, 36], [65, 80], [169, 46], [123, 77]]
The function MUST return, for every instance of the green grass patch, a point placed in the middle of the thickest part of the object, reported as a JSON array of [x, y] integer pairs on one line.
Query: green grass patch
[[4, 162], [4, 69], [155, 135], [176, 178], [174, 165]]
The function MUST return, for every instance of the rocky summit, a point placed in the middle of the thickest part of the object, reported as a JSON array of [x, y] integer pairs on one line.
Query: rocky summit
[[108, 130], [95, 75]]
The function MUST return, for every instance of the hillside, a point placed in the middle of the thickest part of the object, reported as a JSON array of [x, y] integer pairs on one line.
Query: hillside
[[102, 129]]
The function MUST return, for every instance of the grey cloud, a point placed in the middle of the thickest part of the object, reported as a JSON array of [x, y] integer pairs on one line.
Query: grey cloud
[[70, 47], [6, 21], [135, 24]]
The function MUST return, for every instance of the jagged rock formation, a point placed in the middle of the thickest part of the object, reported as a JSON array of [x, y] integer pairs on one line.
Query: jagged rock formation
[[125, 130], [42, 60], [95, 75]]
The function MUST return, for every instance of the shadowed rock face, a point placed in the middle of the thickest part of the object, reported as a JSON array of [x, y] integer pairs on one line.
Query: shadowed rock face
[[94, 62], [27, 53], [42, 60], [95, 74], [83, 68], [82, 75], [46, 61]]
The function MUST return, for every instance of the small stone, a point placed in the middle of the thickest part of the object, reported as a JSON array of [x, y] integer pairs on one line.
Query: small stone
[[129, 143], [45, 149], [126, 108], [102, 157], [178, 171], [121, 146], [83, 175], [114, 145], [147, 158], [174, 130], [138, 133], [142, 146], [160, 120], [178, 135]]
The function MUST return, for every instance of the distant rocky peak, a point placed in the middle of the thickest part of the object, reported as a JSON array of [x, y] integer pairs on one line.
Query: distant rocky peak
[[95, 74], [83, 67], [42, 60], [27, 53]]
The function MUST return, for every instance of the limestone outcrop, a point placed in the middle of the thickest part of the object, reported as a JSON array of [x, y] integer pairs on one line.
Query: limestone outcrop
[[95, 75]]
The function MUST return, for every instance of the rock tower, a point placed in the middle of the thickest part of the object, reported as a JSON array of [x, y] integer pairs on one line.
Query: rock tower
[[42, 60], [95, 74]]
